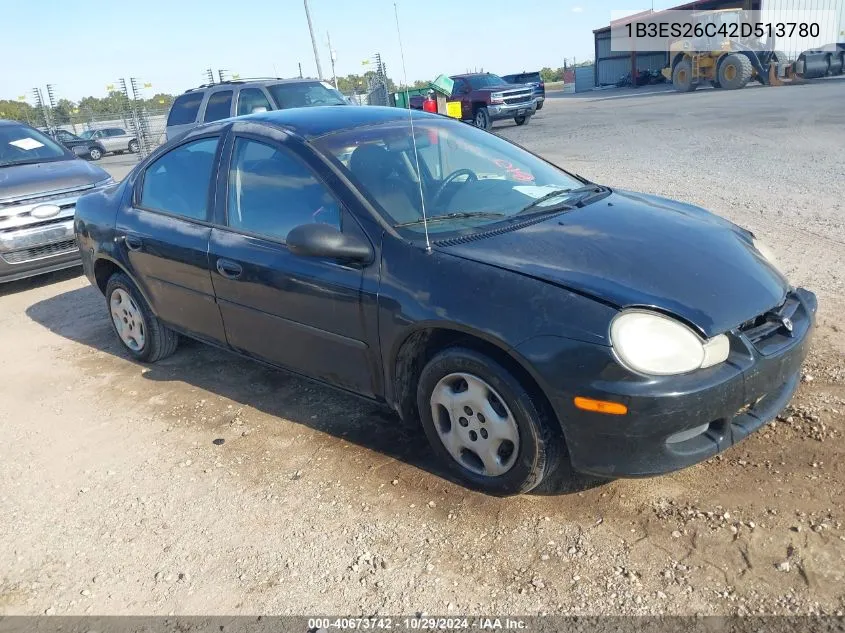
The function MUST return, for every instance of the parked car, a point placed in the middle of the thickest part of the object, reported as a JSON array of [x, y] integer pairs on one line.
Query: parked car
[[40, 182], [530, 79], [531, 319], [213, 102], [115, 140], [486, 97], [84, 147]]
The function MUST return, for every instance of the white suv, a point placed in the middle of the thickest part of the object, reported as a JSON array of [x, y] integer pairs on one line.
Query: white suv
[[115, 140]]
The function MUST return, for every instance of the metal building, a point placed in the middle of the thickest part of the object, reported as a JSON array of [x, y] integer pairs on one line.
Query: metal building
[[610, 66]]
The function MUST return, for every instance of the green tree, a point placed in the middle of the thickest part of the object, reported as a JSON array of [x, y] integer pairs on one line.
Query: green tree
[[17, 111]]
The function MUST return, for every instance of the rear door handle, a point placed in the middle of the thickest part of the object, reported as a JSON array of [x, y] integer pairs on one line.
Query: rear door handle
[[229, 269]]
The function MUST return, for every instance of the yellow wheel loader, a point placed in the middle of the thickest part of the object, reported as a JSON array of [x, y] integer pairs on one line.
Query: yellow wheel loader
[[722, 62]]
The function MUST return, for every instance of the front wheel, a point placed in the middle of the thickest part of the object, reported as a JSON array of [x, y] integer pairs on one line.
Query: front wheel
[[482, 119], [145, 337], [521, 120], [539, 105], [95, 154], [484, 424], [734, 71]]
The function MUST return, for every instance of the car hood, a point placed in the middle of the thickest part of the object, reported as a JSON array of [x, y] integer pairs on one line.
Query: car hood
[[631, 249], [18, 181]]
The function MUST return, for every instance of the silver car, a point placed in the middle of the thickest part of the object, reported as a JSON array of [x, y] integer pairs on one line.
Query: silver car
[[114, 139]]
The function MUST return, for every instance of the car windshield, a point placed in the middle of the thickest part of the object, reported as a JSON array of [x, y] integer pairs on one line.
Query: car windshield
[[469, 178], [87, 134], [486, 81], [301, 94], [20, 144]]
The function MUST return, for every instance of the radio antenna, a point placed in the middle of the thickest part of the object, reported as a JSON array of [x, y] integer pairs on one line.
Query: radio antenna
[[413, 138]]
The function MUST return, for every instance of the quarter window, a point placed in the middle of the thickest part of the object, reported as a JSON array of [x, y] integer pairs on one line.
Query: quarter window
[[271, 192], [251, 98], [179, 181], [185, 109], [219, 106]]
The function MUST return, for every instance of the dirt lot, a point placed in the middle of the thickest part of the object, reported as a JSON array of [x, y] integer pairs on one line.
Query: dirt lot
[[207, 484]]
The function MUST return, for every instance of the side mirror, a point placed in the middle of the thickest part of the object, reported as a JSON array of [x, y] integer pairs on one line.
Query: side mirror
[[323, 240]]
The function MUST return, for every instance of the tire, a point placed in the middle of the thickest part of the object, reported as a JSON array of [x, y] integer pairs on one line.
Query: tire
[[481, 119], [682, 76], [540, 105], [95, 154], [517, 465], [716, 84], [522, 120], [734, 71], [153, 340], [134, 147]]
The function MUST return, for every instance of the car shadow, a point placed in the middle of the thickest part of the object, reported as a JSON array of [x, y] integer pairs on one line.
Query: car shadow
[[38, 281], [80, 315]]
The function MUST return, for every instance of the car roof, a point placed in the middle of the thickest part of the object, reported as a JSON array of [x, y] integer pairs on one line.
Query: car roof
[[320, 120], [252, 82], [12, 122]]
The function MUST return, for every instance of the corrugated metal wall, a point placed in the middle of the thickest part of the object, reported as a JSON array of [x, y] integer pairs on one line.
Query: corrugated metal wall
[[829, 14], [585, 78], [610, 70]]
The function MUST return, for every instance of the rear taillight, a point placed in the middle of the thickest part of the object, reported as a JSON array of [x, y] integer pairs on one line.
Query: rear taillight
[[430, 105]]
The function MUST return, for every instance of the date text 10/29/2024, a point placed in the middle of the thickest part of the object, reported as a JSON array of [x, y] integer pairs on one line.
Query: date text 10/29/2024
[[417, 624]]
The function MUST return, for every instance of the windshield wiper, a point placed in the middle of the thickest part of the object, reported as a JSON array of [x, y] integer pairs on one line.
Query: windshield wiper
[[591, 188], [451, 216]]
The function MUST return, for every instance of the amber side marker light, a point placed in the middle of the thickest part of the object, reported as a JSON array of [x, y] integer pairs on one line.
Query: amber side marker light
[[600, 406]]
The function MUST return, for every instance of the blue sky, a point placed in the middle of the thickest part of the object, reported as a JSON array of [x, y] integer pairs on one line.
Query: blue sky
[[82, 46]]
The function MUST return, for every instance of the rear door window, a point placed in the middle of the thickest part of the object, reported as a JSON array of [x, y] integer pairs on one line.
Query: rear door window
[[219, 106], [185, 109], [251, 98], [179, 181]]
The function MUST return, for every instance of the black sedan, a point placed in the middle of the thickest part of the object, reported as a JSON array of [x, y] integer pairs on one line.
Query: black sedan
[[84, 147], [530, 319]]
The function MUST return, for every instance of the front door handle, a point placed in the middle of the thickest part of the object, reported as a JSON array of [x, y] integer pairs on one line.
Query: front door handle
[[229, 269], [133, 242]]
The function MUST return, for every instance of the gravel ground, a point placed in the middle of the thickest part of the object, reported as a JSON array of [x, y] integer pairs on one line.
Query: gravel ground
[[208, 484]]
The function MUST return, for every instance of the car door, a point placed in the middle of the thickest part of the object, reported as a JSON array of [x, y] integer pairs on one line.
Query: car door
[[163, 235], [116, 140], [304, 314], [460, 92]]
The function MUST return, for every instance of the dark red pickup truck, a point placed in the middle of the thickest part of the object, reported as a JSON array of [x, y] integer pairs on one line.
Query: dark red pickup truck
[[486, 97]]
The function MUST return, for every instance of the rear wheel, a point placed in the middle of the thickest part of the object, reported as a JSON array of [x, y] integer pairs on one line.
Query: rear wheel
[[734, 71], [482, 118], [145, 337], [483, 423], [133, 146], [682, 76], [521, 120]]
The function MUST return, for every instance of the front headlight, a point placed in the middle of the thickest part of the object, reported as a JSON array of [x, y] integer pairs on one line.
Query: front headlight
[[497, 97], [652, 343], [768, 254]]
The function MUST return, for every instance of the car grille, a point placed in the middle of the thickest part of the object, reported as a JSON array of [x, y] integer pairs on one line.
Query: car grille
[[513, 97], [39, 252], [18, 214], [775, 329]]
